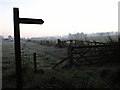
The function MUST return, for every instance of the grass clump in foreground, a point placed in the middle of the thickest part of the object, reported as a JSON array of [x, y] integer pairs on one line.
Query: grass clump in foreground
[[81, 77], [75, 77]]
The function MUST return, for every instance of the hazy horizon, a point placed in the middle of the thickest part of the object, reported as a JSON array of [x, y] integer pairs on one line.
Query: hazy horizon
[[88, 35]]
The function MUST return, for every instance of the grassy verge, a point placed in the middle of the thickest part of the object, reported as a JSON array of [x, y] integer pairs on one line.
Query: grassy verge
[[101, 75]]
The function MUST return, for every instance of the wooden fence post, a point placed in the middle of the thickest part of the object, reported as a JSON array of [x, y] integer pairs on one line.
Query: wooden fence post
[[35, 64], [70, 56]]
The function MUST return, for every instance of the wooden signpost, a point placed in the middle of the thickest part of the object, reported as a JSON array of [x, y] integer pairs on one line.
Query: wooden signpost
[[17, 21], [119, 29]]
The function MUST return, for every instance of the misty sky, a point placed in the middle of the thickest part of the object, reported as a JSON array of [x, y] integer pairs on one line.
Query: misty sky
[[60, 16]]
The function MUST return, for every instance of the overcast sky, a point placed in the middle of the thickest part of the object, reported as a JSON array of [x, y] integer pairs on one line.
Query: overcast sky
[[60, 16]]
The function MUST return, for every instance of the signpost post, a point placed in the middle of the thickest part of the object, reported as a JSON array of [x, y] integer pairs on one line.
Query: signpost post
[[119, 30], [17, 21]]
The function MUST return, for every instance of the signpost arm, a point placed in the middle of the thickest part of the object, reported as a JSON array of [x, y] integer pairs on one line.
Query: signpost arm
[[30, 21]]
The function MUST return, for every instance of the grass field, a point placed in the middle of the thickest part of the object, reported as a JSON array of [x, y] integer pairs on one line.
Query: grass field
[[100, 75]]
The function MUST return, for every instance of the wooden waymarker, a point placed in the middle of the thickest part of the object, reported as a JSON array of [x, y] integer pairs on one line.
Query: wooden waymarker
[[70, 56], [17, 21]]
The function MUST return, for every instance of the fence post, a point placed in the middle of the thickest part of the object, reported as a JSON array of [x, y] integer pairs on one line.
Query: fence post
[[35, 65], [70, 56]]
